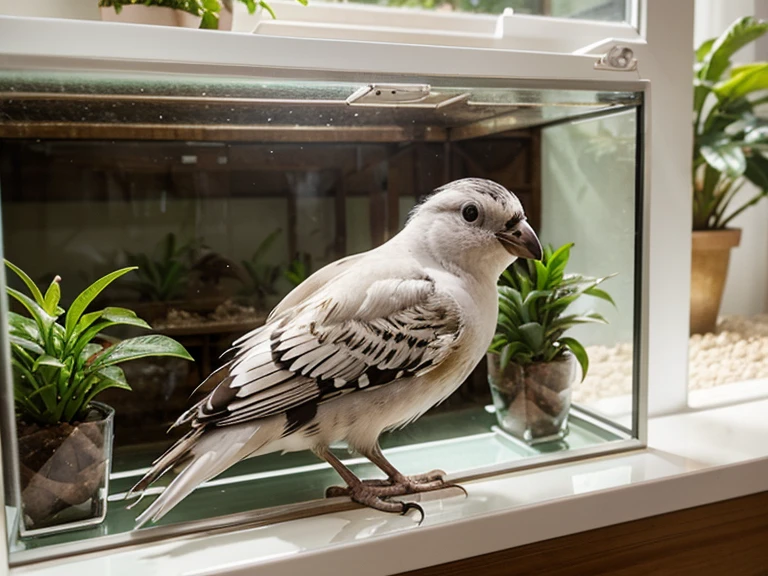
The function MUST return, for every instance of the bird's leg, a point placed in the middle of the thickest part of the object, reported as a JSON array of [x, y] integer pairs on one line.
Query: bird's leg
[[363, 493], [397, 483]]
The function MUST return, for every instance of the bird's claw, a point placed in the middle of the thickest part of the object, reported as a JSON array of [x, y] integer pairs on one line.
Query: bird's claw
[[371, 497], [408, 506]]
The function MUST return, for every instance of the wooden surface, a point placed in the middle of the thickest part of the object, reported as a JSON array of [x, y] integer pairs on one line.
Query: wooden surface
[[727, 538]]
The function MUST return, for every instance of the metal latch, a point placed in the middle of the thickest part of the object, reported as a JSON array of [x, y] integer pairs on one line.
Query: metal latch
[[619, 57]]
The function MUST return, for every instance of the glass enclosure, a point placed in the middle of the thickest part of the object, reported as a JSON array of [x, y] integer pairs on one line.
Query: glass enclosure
[[228, 191]]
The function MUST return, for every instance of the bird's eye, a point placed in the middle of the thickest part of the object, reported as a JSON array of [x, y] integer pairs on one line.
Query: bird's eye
[[470, 213]]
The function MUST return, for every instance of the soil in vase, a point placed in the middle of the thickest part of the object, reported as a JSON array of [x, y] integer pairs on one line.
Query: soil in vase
[[64, 470], [533, 401]]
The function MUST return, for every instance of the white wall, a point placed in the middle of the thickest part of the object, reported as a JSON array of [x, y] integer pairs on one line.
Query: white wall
[[746, 291]]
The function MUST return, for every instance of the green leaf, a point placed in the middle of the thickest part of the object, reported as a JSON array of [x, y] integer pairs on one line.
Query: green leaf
[[744, 80], [110, 377], [704, 49], [601, 294], [139, 347], [85, 321], [580, 352], [727, 157], [24, 327], [123, 316], [86, 297], [43, 319], [212, 5], [26, 344], [757, 170], [542, 275], [209, 22], [52, 297], [46, 360], [533, 336], [33, 289], [268, 8]]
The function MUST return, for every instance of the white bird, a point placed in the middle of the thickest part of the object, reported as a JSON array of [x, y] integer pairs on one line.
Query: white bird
[[364, 345]]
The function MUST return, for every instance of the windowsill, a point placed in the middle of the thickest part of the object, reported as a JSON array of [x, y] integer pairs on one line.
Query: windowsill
[[694, 458]]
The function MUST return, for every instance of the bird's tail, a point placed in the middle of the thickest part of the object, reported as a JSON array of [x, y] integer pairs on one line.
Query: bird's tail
[[201, 455]]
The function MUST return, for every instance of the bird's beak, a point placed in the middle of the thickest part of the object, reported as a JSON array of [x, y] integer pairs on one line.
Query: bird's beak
[[521, 241]]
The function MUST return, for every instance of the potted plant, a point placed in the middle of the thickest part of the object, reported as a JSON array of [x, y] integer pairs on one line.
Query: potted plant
[[299, 269], [209, 14], [729, 140], [59, 368], [259, 278], [532, 365]]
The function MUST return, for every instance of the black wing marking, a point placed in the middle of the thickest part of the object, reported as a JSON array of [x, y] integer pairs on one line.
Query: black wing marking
[[299, 361]]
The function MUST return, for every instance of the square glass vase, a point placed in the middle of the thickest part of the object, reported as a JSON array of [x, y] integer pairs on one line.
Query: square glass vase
[[64, 472], [532, 401]]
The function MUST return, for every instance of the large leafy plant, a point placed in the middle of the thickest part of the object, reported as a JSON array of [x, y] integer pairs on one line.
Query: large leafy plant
[[59, 368], [534, 298], [729, 136], [208, 10]]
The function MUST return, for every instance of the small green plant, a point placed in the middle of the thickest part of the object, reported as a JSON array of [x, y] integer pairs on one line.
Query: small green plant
[[298, 271], [729, 137], [59, 368], [260, 277], [163, 275], [208, 10], [534, 297]]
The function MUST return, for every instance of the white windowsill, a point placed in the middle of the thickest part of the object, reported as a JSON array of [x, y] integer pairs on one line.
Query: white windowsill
[[694, 458]]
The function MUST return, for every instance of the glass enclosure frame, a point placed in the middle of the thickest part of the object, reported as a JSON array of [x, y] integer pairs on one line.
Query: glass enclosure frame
[[635, 437]]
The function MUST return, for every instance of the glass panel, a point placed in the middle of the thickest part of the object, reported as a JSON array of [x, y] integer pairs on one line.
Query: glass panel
[[604, 10], [589, 170], [227, 192]]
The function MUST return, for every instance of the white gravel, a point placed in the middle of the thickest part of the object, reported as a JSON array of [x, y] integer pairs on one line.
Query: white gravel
[[737, 352]]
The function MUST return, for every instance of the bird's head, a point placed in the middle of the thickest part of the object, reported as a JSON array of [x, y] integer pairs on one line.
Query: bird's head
[[474, 224]]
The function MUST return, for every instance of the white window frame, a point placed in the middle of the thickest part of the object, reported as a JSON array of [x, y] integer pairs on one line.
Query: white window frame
[[366, 23]]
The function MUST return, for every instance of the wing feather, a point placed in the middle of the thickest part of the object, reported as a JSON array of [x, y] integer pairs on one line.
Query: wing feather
[[328, 345]]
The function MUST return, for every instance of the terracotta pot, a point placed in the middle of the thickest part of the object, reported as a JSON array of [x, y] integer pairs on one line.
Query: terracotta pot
[[711, 252], [533, 401]]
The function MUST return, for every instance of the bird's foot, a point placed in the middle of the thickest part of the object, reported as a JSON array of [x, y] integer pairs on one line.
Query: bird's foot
[[369, 495], [399, 486]]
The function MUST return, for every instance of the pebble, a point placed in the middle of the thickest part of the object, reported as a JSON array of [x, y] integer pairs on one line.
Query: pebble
[[737, 352]]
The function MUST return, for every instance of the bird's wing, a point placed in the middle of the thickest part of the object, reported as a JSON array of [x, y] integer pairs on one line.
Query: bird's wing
[[342, 340], [314, 283]]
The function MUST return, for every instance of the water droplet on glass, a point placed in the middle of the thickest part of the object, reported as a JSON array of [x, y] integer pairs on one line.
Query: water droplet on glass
[[203, 94], [356, 114], [161, 116], [269, 119]]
